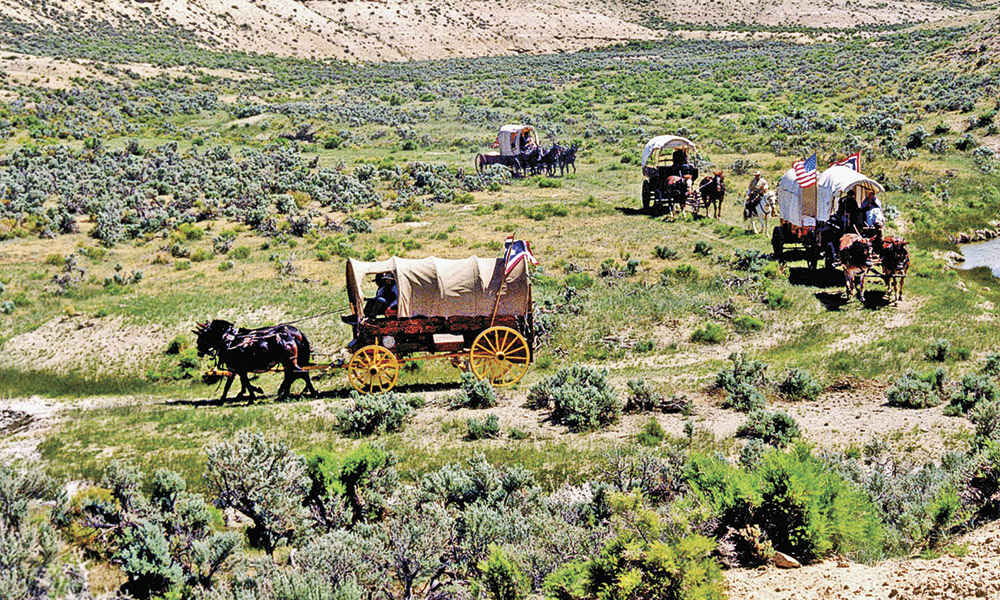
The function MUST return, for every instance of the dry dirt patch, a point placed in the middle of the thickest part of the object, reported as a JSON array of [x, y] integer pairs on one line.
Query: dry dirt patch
[[95, 346], [976, 575]]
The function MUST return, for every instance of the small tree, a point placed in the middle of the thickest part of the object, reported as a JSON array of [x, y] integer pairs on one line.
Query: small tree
[[263, 479], [502, 578]]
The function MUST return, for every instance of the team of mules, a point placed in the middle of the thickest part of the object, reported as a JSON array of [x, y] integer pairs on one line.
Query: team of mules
[[243, 351], [857, 256]]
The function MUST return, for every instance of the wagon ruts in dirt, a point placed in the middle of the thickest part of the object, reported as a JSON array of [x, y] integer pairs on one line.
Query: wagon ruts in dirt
[[669, 177], [514, 143], [476, 312]]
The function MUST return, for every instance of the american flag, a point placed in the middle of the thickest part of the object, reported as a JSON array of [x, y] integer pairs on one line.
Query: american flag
[[852, 162], [805, 172], [516, 251]]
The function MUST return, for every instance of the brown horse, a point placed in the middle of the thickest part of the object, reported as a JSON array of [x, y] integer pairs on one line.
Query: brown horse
[[895, 263], [241, 351], [713, 192], [856, 258]]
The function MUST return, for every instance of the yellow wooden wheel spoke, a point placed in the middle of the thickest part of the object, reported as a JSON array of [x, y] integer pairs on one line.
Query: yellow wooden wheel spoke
[[373, 368], [500, 355]]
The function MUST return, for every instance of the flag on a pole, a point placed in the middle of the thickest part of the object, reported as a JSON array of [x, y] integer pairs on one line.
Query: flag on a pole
[[805, 171], [515, 251], [851, 162]]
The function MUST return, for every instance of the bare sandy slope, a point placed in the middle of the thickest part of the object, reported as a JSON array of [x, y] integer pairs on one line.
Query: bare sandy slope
[[424, 29]]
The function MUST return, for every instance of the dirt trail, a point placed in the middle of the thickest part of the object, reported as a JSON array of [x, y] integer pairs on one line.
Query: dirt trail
[[975, 575]]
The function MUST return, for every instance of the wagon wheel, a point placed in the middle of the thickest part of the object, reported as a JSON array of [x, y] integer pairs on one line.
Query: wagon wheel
[[777, 243], [373, 369], [500, 355], [647, 196], [480, 163]]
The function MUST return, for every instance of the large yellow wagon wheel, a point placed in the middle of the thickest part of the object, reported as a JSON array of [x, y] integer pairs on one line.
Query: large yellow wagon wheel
[[500, 355], [373, 369]]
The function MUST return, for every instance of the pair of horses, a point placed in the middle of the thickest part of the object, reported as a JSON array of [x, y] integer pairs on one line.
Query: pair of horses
[[858, 254], [677, 193], [243, 351]]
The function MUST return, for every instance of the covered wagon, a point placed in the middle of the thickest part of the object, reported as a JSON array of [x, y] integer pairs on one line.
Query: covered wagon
[[814, 218], [472, 310], [512, 143], [668, 173]]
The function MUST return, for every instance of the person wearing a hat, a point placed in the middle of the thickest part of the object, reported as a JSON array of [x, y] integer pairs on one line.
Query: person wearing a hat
[[385, 298], [758, 185]]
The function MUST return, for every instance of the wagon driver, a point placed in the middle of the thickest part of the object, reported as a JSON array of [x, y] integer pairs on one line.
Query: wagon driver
[[386, 298]]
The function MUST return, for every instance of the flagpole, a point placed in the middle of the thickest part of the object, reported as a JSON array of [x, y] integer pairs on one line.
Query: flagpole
[[503, 282]]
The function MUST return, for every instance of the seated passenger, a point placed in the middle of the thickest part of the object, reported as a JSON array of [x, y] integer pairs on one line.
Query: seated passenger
[[386, 298], [871, 211]]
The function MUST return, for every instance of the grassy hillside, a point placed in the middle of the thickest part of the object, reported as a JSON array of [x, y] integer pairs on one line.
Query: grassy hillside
[[209, 184]]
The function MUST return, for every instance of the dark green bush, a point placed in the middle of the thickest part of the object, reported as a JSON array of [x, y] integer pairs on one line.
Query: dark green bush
[[774, 428], [374, 414], [938, 350], [365, 478], [991, 365], [502, 579], [776, 298], [982, 482], [799, 505], [749, 259], [710, 333], [581, 398], [652, 433], [747, 323], [799, 384], [702, 248]]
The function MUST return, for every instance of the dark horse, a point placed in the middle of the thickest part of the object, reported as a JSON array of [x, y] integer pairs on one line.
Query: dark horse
[[713, 191], [242, 350], [529, 160], [549, 159], [895, 263], [567, 159]]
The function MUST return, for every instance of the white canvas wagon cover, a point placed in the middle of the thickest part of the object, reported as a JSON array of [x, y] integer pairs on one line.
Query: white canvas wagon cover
[[838, 180], [440, 287], [664, 141], [832, 184], [510, 138]]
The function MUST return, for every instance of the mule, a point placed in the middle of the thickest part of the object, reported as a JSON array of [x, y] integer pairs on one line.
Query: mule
[[713, 192], [895, 263], [241, 351], [855, 254]]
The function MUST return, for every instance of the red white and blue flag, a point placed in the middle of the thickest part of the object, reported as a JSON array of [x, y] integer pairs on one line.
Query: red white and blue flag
[[516, 251], [805, 172], [851, 162]]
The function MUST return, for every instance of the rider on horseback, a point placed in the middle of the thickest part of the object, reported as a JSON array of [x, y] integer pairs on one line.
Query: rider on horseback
[[755, 194]]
